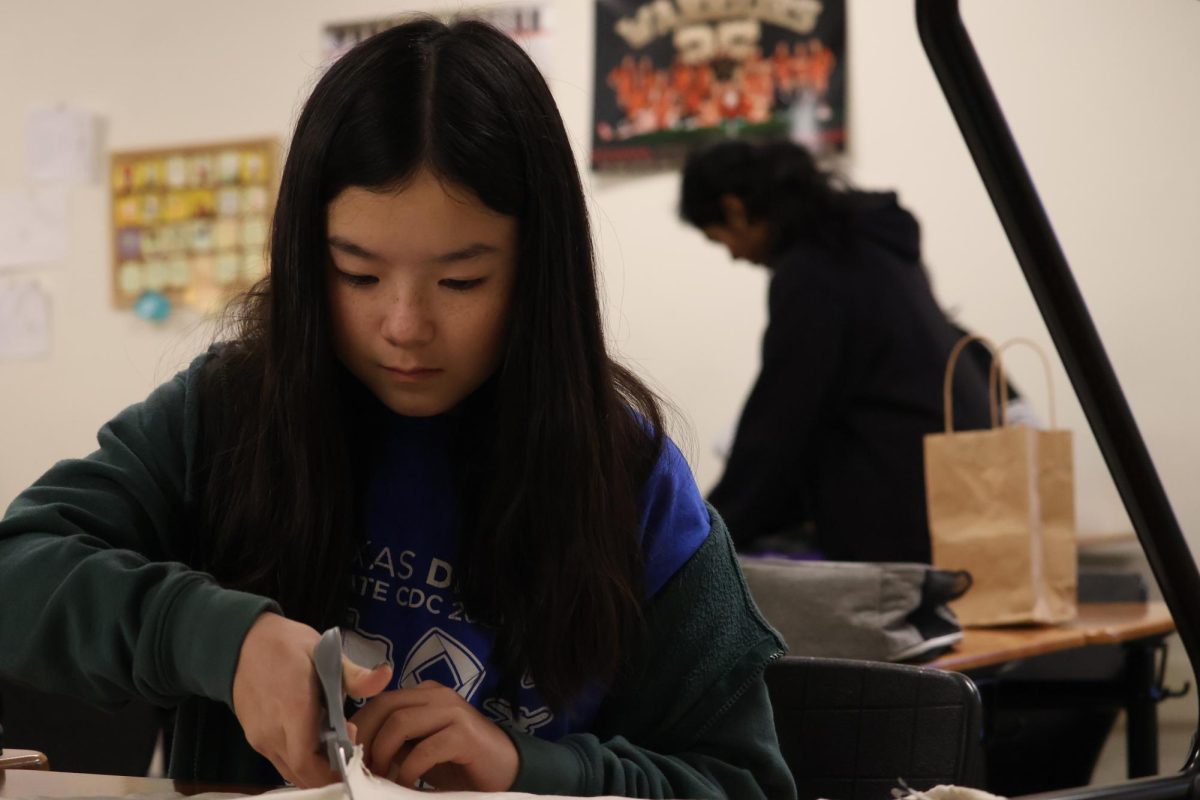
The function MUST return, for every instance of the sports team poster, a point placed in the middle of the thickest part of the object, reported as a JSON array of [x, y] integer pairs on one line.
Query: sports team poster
[[673, 74], [191, 223], [528, 24]]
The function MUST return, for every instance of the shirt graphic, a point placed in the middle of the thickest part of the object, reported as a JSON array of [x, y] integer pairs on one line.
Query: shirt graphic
[[439, 656], [404, 609]]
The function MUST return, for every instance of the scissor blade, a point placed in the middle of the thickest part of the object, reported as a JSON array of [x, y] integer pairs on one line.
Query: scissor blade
[[344, 770], [327, 657]]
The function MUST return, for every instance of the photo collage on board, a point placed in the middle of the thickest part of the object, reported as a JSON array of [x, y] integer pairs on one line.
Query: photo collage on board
[[191, 224]]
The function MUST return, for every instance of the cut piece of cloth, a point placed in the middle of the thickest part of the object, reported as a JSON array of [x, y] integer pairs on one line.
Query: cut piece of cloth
[[363, 784]]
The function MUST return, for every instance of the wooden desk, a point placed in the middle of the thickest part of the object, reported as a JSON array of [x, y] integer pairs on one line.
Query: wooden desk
[[1097, 623], [1138, 628], [36, 783]]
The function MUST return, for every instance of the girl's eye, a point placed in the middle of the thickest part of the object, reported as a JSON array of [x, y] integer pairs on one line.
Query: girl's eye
[[357, 280], [460, 285]]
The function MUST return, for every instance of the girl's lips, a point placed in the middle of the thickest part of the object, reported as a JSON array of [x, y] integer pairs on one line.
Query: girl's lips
[[417, 374]]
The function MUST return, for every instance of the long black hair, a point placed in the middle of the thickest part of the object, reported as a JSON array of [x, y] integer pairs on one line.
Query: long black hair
[[551, 554], [779, 182]]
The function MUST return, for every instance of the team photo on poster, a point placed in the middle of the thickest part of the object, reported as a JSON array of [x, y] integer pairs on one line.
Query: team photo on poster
[[672, 74]]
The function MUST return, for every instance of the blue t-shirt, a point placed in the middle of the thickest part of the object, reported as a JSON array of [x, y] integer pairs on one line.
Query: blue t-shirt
[[404, 608]]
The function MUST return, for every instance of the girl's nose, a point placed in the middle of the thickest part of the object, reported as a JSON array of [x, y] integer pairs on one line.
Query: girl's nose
[[408, 321]]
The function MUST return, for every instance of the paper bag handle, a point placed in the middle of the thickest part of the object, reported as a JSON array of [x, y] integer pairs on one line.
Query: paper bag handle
[[948, 381], [996, 380]]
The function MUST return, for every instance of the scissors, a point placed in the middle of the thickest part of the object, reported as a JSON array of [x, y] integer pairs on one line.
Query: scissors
[[327, 657]]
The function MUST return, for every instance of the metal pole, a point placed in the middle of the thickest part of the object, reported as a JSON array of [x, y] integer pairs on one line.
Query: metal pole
[[987, 135]]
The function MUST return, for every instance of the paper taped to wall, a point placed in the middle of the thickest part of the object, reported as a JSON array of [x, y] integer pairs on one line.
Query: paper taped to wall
[[62, 145], [24, 319], [33, 227]]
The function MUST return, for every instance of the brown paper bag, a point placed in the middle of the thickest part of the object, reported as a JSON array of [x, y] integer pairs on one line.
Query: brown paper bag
[[1002, 506]]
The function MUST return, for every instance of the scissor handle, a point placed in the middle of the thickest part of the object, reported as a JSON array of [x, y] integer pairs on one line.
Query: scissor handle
[[327, 657]]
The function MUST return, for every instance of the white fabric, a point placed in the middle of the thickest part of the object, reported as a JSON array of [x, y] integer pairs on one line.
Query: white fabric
[[363, 784], [945, 792]]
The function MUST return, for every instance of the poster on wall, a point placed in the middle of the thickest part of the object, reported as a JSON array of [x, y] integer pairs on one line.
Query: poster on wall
[[526, 23], [190, 224], [672, 75]]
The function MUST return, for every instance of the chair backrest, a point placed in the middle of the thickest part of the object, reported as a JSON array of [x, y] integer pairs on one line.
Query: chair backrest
[[851, 730], [77, 737]]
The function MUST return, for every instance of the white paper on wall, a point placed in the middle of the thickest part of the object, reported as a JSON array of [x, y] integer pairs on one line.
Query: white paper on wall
[[33, 227], [62, 146], [24, 319]]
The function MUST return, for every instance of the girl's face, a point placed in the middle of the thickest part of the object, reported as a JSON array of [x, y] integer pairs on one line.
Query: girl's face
[[420, 281]]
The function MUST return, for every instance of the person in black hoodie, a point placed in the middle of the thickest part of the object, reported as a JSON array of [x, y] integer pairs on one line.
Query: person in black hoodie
[[829, 444]]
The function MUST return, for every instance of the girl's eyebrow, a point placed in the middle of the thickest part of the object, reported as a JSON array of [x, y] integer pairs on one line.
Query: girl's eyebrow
[[350, 248], [473, 250]]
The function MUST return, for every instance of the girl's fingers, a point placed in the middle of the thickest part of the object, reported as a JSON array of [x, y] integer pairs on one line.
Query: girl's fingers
[[275, 696], [443, 747], [311, 774], [370, 718], [281, 767], [430, 730], [361, 682], [311, 770], [390, 771], [405, 725]]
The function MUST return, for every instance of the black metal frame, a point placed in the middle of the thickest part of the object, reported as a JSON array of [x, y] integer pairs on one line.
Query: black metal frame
[[991, 143]]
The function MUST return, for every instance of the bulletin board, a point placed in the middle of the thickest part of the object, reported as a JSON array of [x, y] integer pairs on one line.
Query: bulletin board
[[192, 223]]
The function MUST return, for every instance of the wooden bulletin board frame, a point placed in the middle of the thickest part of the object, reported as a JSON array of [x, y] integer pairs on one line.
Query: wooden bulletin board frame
[[192, 222]]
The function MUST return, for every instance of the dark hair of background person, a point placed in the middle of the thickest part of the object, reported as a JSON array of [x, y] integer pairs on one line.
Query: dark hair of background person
[[779, 182], [558, 443]]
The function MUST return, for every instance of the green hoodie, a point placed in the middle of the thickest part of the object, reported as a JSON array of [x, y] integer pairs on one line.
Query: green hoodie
[[98, 602]]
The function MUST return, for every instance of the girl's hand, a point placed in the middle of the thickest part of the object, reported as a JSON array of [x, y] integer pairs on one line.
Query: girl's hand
[[275, 697], [430, 732]]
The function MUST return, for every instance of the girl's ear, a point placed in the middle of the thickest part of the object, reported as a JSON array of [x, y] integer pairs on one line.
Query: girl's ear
[[735, 212]]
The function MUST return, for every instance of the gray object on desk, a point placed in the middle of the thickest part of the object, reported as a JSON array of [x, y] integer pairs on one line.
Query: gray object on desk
[[857, 610]]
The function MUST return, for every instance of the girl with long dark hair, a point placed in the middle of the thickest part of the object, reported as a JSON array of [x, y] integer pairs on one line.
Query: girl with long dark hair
[[415, 432]]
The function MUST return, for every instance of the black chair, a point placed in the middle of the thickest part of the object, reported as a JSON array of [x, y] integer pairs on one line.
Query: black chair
[[77, 737], [19, 759], [854, 729]]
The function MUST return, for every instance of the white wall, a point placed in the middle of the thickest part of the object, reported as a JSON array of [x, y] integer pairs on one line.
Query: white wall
[[1101, 94]]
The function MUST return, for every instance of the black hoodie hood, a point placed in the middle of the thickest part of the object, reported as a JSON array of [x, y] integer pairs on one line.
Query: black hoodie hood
[[878, 217], [860, 219]]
